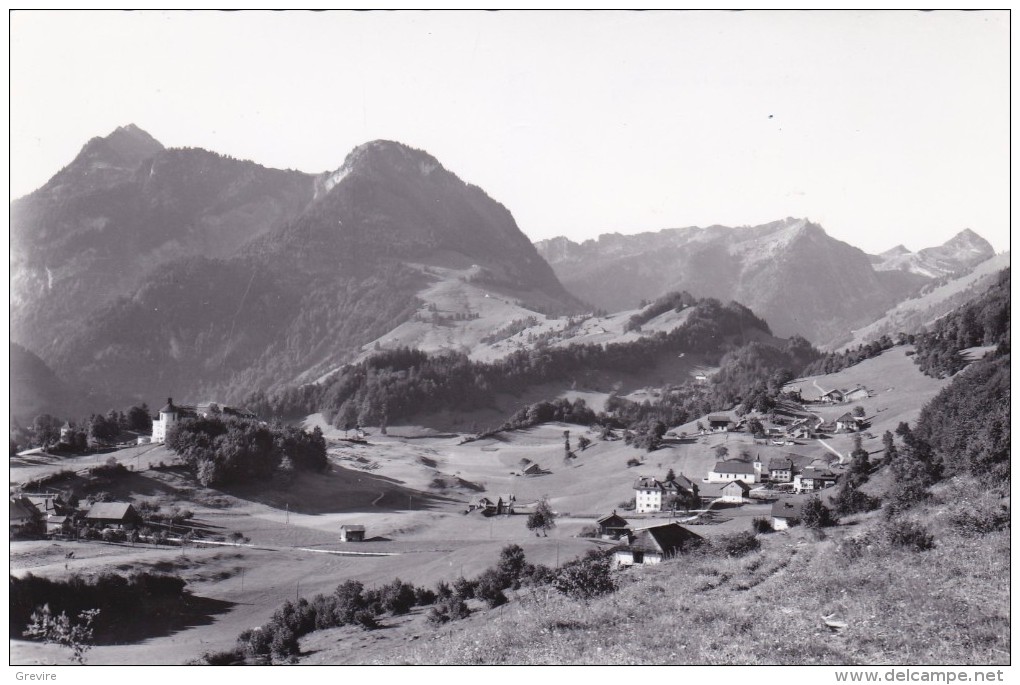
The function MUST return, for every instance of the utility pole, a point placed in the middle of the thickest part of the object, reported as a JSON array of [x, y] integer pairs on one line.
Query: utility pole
[[288, 513]]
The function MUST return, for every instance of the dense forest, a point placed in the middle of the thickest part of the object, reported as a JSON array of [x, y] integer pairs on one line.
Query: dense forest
[[395, 384], [985, 321]]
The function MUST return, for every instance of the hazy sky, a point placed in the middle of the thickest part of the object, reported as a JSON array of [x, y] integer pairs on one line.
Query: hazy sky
[[885, 127]]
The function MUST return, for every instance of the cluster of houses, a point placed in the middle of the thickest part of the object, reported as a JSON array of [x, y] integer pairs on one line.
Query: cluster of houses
[[44, 514], [794, 472], [502, 505]]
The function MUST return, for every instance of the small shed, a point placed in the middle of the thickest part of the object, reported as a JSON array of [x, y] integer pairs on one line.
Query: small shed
[[352, 532]]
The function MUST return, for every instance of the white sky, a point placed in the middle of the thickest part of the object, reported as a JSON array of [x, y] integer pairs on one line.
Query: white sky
[[885, 127]]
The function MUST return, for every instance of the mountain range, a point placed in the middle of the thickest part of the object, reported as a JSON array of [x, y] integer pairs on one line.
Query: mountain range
[[143, 271], [800, 279], [140, 271]]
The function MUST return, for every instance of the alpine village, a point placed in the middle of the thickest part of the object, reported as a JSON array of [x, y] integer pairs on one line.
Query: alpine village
[[261, 416]]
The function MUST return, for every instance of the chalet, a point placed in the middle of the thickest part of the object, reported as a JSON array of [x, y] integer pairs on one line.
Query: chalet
[[858, 393], [486, 505], [735, 491], [26, 519], [655, 544], [848, 423], [653, 495], [720, 423], [812, 479], [532, 469], [613, 526], [733, 469], [112, 515], [786, 513], [833, 397], [352, 532], [780, 470]]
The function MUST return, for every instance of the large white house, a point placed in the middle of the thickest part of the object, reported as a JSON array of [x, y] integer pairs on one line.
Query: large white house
[[168, 416], [734, 469], [653, 495]]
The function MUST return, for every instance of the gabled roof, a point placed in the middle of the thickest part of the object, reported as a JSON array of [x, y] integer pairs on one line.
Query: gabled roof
[[683, 482], [647, 483], [847, 417], [613, 520], [720, 418], [788, 508], [817, 474], [740, 484], [22, 508], [117, 511], [733, 466], [667, 539], [780, 464], [353, 527]]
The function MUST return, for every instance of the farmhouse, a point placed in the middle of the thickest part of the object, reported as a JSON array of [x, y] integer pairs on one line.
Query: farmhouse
[[812, 479], [485, 504], [655, 544], [733, 469], [786, 513], [848, 423], [780, 470], [833, 397], [112, 515], [735, 491], [858, 393], [533, 469], [352, 532], [26, 519], [613, 526], [720, 423], [652, 495]]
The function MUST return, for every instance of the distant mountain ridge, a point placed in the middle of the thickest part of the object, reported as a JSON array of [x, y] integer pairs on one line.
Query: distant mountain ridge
[[145, 272], [790, 272], [958, 255]]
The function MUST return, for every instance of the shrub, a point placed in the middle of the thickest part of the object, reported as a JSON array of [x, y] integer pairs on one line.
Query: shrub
[[762, 524], [228, 657], [490, 588], [443, 590], [511, 566], [452, 609], [464, 588], [739, 544], [398, 597], [817, 515], [587, 577], [911, 536], [633, 461], [980, 522], [424, 597], [588, 532], [366, 619]]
